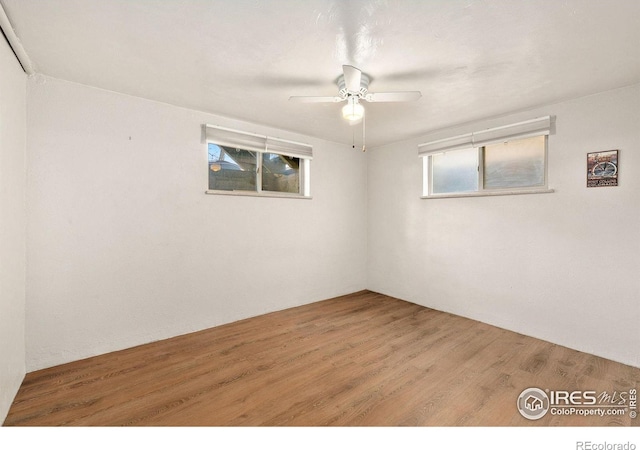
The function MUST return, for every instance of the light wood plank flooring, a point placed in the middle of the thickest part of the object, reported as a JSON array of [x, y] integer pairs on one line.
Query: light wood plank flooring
[[359, 360]]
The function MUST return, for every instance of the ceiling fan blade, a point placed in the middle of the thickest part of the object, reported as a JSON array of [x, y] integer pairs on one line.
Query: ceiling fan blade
[[352, 77], [306, 99], [405, 96]]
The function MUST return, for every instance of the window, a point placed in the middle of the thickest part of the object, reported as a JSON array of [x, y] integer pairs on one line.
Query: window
[[498, 161], [455, 171], [249, 164], [280, 173], [515, 164], [231, 169]]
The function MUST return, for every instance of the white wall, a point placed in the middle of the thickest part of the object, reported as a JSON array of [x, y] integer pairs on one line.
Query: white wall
[[125, 248], [12, 225], [564, 267]]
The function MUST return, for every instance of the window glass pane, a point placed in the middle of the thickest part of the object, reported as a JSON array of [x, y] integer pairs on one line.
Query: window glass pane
[[515, 164], [231, 169], [280, 173], [455, 171]]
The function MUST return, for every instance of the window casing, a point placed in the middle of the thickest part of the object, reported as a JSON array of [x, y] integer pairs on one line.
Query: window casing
[[242, 163], [498, 161]]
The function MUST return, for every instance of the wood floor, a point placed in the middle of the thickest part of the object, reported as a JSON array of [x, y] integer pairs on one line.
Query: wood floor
[[360, 360]]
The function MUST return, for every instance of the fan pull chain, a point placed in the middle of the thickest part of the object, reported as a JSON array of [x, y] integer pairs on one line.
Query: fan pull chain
[[353, 137], [364, 126]]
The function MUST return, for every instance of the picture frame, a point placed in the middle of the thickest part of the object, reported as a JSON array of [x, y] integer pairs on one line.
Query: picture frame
[[602, 168]]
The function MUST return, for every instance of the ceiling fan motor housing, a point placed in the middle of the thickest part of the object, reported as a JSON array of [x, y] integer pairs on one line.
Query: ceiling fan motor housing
[[353, 84], [344, 92]]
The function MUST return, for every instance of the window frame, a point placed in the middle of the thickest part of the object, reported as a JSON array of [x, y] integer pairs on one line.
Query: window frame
[[536, 127], [304, 173]]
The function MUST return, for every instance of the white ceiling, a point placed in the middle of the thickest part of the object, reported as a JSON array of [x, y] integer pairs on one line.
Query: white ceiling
[[242, 59]]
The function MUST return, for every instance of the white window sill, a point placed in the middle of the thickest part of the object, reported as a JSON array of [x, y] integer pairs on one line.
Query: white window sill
[[258, 194], [489, 193]]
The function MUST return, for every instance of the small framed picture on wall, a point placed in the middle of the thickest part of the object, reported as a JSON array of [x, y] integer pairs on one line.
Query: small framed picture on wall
[[602, 168]]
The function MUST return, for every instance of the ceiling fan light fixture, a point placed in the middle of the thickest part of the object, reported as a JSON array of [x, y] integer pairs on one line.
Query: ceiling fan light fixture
[[353, 110]]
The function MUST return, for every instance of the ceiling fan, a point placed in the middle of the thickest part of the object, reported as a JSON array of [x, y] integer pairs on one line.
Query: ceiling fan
[[353, 87]]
